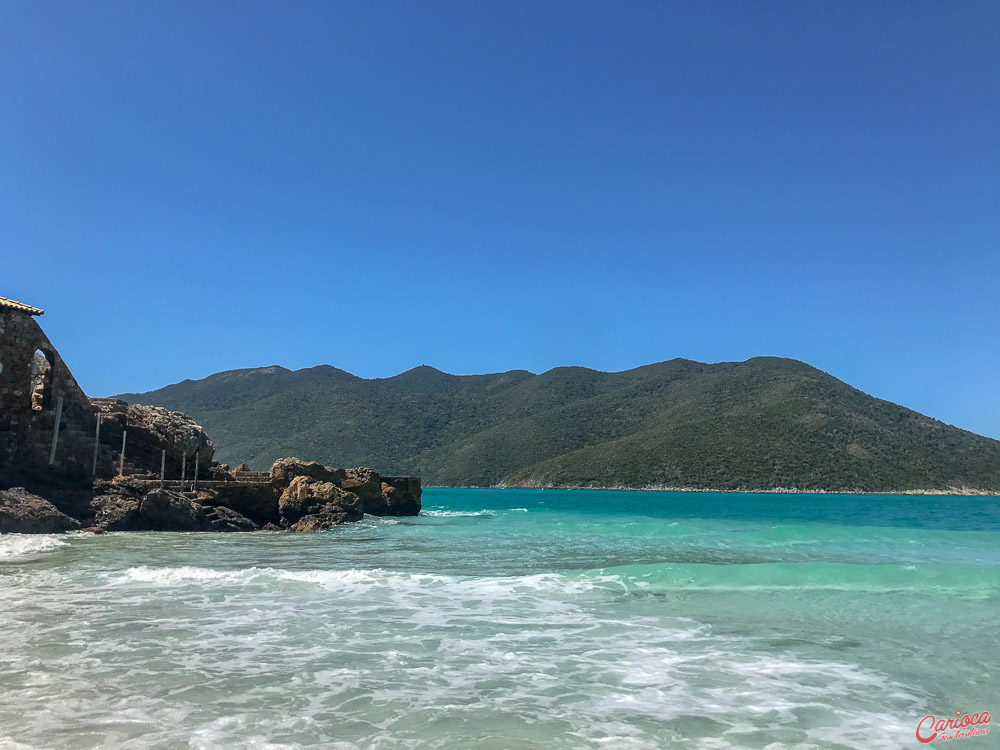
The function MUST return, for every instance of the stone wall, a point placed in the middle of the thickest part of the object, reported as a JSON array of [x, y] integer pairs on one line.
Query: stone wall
[[28, 409]]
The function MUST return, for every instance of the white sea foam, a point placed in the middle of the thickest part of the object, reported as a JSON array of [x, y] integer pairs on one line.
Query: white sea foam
[[380, 659], [485, 513], [193, 575], [359, 580], [16, 546], [465, 649], [184, 574], [166, 641], [370, 520]]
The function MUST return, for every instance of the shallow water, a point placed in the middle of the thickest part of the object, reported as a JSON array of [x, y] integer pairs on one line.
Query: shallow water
[[514, 619]]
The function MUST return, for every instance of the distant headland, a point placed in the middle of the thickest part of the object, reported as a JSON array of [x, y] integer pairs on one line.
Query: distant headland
[[766, 424]]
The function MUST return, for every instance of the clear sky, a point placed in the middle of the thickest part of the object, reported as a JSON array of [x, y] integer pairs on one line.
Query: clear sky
[[188, 187]]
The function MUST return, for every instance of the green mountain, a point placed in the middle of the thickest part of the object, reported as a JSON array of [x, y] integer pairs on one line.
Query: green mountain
[[764, 423]]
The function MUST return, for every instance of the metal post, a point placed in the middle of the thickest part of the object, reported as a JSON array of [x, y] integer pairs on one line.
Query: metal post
[[184, 464], [194, 484], [121, 463], [55, 431], [97, 443], [163, 468]]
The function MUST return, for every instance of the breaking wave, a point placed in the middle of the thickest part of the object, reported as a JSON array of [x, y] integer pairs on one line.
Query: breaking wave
[[18, 546]]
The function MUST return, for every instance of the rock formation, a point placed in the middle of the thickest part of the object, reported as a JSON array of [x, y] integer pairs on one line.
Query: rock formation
[[65, 448], [156, 428], [258, 502], [312, 504], [24, 513], [378, 496], [130, 506], [115, 506], [171, 511], [400, 496], [300, 496], [221, 518]]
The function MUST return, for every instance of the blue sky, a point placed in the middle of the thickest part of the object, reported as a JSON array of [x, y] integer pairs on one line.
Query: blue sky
[[481, 186]]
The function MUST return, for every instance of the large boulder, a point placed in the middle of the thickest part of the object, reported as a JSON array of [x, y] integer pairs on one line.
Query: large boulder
[[115, 506], [220, 518], [127, 506], [24, 513], [320, 521], [284, 470], [399, 496], [306, 496], [173, 430], [165, 510], [364, 483], [117, 513], [379, 496]]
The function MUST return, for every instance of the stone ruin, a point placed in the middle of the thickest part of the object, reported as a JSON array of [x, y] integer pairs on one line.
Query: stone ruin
[[36, 388], [56, 440], [37, 391]]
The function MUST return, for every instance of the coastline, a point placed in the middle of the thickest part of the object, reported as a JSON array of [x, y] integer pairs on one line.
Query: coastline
[[949, 492]]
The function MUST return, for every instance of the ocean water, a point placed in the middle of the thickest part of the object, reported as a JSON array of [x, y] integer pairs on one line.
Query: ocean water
[[514, 619]]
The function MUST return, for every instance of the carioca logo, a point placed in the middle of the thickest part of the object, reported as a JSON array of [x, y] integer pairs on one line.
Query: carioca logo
[[933, 729]]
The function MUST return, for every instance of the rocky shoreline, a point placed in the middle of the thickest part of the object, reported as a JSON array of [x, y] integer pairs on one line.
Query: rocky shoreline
[[297, 496], [73, 463]]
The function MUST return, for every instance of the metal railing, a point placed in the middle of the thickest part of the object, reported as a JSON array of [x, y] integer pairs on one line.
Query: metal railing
[[142, 460], [132, 456]]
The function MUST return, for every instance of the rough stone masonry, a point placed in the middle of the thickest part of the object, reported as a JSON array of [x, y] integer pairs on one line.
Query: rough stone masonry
[[33, 381]]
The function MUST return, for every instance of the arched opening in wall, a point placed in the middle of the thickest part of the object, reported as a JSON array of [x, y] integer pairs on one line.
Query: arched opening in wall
[[41, 381]]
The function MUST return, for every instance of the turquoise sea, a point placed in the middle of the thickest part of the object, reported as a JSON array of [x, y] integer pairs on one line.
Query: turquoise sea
[[504, 619]]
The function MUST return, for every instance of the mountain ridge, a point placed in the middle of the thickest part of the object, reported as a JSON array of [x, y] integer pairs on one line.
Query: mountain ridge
[[766, 422]]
